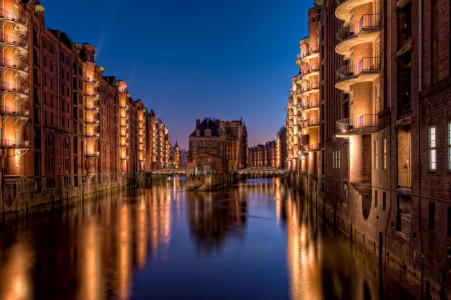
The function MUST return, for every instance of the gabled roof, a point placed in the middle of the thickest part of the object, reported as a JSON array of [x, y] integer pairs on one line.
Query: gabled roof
[[206, 124]]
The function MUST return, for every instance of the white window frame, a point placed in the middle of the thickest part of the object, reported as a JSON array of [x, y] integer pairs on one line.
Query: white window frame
[[432, 143]]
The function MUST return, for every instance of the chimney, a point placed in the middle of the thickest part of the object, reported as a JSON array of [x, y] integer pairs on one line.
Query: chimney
[[197, 122]]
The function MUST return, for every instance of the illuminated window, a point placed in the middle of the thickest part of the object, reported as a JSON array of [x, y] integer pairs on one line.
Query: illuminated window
[[432, 149], [384, 143], [376, 155]]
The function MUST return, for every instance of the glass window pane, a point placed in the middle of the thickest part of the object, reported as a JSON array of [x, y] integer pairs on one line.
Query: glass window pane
[[432, 159]]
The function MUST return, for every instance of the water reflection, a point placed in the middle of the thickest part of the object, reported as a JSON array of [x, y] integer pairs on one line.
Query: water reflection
[[213, 217], [258, 240]]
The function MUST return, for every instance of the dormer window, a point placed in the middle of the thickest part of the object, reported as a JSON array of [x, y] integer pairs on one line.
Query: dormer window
[[197, 132], [207, 132]]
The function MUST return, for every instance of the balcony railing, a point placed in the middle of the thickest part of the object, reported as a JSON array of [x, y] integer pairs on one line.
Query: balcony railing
[[354, 29], [14, 64], [366, 64], [12, 40], [14, 88], [311, 147], [364, 121], [92, 121], [18, 18], [92, 153], [14, 111], [93, 134], [307, 52], [311, 68], [14, 144], [92, 107], [310, 123], [92, 94]]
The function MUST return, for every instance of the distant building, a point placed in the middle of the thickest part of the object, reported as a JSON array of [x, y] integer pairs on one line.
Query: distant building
[[282, 148], [224, 142], [264, 155], [184, 159]]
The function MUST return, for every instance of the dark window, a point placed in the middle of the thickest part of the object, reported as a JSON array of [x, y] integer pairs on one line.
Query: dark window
[[449, 222], [384, 201], [375, 198], [431, 215]]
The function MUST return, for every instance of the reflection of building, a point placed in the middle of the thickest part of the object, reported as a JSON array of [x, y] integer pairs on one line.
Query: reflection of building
[[368, 124], [66, 129], [211, 220]]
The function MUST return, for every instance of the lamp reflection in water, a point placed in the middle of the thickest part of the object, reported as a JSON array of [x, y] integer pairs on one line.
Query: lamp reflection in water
[[16, 274], [91, 264], [124, 262], [304, 267]]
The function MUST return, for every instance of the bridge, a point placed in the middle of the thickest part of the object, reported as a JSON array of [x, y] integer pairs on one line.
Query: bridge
[[169, 172], [263, 171]]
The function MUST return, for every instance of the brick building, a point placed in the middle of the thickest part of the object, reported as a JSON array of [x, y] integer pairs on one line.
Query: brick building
[[281, 148], [67, 130], [264, 155], [381, 170], [224, 140]]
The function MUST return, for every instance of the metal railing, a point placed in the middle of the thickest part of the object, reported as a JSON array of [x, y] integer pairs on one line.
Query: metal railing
[[11, 87], [14, 64], [363, 121], [368, 21], [92, 153], [13, 17], [309, 51], [92, 107], [311, 147], [14, 144], [12, 40], [11, 110], [366, 64]]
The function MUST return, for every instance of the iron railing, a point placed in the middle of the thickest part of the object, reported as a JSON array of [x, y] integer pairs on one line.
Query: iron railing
[[11, 110], [309, 51], [11, 87], [366, 64], [12, 40], [92, 153], [13, 17], [6, 143], [14, 64], [368, 21], [364, 121]]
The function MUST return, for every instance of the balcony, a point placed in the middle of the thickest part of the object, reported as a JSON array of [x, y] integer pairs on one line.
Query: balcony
[[310, 123], [344, 7], [92, 108], [311, 70], [92, 154], [16, 19], [94, 95], [93, 81], [17, 144], [308, 88], [367, 69], [92, 135], [19, 43], [364, 31], [14, 65], [311, 147], [92, 121], [311, 52], [12, 88], [364, 124], [15, 112]]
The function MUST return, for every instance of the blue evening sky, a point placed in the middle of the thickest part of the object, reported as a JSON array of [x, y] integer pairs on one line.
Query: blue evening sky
[[225, 59]]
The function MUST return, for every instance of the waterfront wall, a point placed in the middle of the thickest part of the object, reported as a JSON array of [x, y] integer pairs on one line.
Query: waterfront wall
[[69, 190], [208, 182]]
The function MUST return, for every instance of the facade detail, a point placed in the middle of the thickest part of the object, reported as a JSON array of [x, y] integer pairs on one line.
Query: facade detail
[[66, 130], [368, 131]]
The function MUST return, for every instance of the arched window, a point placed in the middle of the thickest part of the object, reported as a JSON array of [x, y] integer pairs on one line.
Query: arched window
[[66, 156], [49, 155]]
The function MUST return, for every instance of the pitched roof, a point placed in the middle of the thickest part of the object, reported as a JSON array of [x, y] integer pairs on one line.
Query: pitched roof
[[203, 126]]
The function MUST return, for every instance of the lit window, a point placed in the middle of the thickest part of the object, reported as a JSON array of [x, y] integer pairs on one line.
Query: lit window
[[432, 149], [384, 142], [376, 155]]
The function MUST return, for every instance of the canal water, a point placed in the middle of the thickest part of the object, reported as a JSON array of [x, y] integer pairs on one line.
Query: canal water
[[258, 240]]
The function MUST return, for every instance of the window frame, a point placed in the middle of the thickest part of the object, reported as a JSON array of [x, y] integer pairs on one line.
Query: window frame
[[432, 148]]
